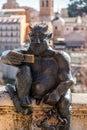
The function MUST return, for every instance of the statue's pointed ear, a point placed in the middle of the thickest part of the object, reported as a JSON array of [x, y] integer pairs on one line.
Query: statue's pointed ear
[[50, 35], [46, 27], [30, 28]]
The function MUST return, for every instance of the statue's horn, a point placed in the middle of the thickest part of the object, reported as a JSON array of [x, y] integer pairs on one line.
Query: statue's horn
[[30, 28], [46, 26]]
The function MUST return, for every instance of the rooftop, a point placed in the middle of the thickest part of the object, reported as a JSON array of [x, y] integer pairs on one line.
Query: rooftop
[[11, 18]]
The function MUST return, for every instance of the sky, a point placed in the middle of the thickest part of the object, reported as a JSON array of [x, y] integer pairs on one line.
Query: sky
[[58, 4]]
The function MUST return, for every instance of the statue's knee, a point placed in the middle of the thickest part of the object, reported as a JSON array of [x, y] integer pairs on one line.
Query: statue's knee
[[65, 101], [23, 70], [37, 90], [64, 107], [23, 81]]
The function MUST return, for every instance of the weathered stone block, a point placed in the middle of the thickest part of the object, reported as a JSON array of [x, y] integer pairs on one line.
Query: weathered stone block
[[11, 120]]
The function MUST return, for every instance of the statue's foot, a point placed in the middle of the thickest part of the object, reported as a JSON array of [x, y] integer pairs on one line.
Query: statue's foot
[[27, 111], [19, 108], [10, 89]]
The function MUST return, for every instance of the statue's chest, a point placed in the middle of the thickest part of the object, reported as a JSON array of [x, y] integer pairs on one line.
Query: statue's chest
[[43, 64]]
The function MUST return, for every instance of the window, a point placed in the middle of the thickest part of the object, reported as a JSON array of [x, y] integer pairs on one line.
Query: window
[[56, 27], [11, 28], [11, 34], [17, 28], [47, 3], [6, 28], [1, 34], [52, 3], [1, 29], [67, 29], [42, 3], [75, 28], [82, 28]]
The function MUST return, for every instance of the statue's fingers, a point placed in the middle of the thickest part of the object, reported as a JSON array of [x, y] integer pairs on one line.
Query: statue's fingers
[[15, 62], [16, 54], [16, 58]]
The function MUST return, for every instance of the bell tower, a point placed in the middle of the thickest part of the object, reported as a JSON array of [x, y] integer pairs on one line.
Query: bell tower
[[46, 10]]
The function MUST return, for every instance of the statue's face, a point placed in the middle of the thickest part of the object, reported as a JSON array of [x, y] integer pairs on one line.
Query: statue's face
[[39, 39]]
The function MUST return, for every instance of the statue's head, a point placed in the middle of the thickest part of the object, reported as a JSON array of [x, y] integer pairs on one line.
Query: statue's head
[[40, 38]]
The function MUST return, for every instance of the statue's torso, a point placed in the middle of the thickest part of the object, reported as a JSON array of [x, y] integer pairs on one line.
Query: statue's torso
[[44, 71]]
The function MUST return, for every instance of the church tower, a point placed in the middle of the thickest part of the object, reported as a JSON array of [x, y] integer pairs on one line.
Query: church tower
[[46, 10]]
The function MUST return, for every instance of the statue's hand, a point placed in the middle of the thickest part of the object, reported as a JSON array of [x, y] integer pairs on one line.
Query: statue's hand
[[12, 58], [53, 97]]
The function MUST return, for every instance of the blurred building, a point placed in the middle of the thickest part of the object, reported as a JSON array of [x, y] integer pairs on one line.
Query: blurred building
[[66, 31], [46, 10], [33, 14], [58, 25], [12, 31], [64, 12], [18, 11], [10, 4], [73, 31]]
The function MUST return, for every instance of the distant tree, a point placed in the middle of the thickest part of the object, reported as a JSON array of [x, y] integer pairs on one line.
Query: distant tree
[[77, 8]]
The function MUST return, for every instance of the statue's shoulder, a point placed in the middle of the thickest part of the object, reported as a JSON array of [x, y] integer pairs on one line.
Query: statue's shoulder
[[63, 58]]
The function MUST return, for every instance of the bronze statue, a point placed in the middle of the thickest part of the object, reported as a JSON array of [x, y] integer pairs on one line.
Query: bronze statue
[[44, 75]]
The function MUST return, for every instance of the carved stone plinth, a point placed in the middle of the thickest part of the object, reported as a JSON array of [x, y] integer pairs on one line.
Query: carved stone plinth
[[11, 120]]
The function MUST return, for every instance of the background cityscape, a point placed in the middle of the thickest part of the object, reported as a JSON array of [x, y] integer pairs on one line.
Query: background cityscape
[[67, 20], [35, 3]]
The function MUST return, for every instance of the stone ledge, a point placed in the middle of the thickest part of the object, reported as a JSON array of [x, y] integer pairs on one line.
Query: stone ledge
[[11, 120], [79, 98], [5, 100]]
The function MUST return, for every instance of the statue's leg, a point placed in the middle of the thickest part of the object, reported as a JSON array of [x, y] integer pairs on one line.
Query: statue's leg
[[16, 101], [23, 85], [20, 96], [64, 109]]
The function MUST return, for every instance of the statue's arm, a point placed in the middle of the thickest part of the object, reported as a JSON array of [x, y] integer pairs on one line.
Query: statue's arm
[[13, 57], [64, 72], [64, 76]]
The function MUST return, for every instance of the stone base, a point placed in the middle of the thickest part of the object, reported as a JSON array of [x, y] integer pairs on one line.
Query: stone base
[[11, 120]]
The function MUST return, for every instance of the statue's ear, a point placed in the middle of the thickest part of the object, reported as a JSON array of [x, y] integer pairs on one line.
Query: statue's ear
[[30, 28], [45, 27], [50, 35]]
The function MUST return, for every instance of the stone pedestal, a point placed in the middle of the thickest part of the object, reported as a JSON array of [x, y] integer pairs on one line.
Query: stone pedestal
[[11, 120]]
